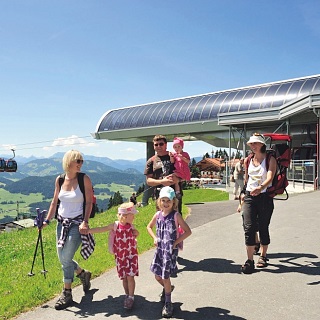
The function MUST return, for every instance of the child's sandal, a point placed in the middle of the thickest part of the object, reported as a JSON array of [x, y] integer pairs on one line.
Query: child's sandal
[[262, 262]]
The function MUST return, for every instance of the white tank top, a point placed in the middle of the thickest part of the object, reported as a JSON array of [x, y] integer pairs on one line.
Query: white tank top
[[71, 203], [256, 175]]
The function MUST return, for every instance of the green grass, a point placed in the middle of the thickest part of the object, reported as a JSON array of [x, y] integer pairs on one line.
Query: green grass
[[20, 293], [11, 199]]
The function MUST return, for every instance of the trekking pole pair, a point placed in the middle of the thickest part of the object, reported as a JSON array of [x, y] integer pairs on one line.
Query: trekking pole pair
[[39, 223]]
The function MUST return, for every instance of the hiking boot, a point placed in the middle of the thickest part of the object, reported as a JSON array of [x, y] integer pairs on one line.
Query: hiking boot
[[64, 301], [163, 294], [85, 277], [248, 267], [167, 310]]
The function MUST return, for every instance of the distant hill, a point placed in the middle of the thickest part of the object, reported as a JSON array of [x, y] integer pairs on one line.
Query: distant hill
[[50, 166], [118, 163], [45, 184], [38, 176]]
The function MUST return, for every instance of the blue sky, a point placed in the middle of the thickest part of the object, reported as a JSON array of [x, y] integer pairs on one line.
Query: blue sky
[[63, 64]]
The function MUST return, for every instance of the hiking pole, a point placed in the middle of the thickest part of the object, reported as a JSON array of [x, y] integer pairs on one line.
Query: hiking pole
[[39, 222]]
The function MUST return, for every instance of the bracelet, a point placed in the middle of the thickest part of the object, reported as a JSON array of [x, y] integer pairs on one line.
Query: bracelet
[[47, 221], [86, 221]]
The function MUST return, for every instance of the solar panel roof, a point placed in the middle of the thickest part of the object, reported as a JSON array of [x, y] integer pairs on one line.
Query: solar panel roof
[[208, 106]]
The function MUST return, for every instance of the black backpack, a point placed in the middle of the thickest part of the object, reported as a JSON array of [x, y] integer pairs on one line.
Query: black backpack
[[80, 177]]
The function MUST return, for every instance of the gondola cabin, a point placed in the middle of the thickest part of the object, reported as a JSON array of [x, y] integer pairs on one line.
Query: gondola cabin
[[2, 165], [11, 166]]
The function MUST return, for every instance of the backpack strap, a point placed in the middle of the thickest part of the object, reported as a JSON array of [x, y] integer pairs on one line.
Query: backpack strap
[[80, 176], [268, 157], [246, 165]]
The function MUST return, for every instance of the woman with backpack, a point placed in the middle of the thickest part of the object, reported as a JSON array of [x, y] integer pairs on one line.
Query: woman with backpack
[[258, 205], [73, 213]]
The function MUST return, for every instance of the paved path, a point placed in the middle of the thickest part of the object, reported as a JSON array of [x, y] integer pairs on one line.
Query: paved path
[[209, 283]]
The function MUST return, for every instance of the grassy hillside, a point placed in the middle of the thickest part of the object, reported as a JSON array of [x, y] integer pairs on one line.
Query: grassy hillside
[[17, 251]]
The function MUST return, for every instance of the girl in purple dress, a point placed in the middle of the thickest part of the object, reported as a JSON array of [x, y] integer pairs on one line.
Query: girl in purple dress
[[166, 239]]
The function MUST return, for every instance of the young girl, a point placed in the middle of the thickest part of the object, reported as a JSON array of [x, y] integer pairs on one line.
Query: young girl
[[181, 160], [164, 263], [125, 249]]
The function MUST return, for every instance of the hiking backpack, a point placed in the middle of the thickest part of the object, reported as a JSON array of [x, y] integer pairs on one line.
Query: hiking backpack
[[80, 177], [282, 153], [111, 237]]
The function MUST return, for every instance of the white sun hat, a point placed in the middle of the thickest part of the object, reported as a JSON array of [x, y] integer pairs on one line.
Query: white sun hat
[[256, 138]]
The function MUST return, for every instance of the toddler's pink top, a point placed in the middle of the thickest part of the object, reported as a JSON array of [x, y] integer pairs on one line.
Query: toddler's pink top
[[181, 169]]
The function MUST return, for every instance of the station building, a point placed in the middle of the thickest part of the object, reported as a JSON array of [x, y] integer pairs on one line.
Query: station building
[[227, 118]]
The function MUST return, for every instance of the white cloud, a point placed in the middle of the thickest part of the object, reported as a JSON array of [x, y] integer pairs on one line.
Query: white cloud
[[71, 141]]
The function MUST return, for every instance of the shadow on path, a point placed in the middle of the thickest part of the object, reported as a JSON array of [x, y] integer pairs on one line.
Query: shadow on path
[[143, 309]]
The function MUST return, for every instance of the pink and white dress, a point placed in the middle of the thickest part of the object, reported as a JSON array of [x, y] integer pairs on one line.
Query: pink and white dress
[[125, 250]]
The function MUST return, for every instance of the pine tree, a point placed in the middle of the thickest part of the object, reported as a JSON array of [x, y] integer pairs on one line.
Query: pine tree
[[110, 205]]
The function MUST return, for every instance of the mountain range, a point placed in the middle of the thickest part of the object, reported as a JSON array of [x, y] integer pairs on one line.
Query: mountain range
[[40, 166]]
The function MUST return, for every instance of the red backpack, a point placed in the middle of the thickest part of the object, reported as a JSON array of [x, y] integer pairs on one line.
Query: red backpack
[[282, 153]]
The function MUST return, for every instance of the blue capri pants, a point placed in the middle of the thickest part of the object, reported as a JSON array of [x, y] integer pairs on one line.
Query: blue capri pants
[[257, 212], [67, 252]]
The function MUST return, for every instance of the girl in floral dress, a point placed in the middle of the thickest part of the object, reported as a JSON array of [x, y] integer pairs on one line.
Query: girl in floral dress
[[125, 249], [164, 263]]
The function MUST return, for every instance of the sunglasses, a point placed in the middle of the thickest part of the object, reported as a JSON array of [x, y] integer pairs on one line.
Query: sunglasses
[[258, 135], [160, 144], [78, 161]]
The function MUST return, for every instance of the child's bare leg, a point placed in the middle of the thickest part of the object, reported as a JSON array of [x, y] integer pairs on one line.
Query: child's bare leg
[[160, 280], [177, 189], [131, 285], [167, 285], [167, 289], [125, 286]]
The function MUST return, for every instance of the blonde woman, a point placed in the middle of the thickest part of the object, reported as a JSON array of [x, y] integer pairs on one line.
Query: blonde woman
[[73, 223]]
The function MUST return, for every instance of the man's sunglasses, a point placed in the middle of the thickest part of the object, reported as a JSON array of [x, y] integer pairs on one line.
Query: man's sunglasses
[[160, 144], [78, 161]]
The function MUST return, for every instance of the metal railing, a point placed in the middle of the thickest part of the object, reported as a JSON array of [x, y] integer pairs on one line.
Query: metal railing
[[303, 171]]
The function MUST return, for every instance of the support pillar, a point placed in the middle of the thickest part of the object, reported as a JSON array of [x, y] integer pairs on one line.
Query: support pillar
[[148, 191]]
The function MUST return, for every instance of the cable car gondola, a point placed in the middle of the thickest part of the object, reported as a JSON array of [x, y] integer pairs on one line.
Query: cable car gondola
[[2, 165], [11, 165]]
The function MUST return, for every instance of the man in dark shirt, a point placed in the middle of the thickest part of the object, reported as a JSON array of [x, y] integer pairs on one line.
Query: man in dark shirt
[[159, 169]]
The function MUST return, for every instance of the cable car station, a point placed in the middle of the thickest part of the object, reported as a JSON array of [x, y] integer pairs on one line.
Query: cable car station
[[227, 118]]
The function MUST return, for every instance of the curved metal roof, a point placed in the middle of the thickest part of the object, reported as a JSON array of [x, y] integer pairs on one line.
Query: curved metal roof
[[207, 107]]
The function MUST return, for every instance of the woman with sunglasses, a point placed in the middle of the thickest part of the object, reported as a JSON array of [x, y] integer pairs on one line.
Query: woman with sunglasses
[[73, 215], [258, 205]]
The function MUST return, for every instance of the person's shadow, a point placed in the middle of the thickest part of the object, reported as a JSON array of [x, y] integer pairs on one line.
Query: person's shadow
[[289, 262], [143, 309], [215, 265], [285, 263]]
